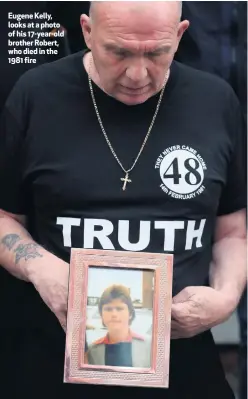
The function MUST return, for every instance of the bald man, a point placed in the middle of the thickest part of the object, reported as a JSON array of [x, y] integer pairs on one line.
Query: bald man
[[130, 151]]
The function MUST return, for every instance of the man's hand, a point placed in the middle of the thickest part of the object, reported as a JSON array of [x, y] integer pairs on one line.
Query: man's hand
[[196, 309], [51, 281]]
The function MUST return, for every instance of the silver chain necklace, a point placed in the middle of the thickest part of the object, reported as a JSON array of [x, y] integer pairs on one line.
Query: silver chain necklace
[[126, 179]]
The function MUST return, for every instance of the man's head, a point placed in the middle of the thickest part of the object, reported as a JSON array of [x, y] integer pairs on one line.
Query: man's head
[[133, 44], [116, 308]]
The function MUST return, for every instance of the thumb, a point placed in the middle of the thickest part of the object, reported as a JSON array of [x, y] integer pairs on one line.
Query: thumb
[[177, 309], [62, 320], [183, 296], [179, 298]]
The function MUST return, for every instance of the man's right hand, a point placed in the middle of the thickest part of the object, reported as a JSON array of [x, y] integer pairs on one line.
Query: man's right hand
[[51, 281]]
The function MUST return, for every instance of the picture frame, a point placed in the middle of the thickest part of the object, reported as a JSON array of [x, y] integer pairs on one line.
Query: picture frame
[[150, 274]]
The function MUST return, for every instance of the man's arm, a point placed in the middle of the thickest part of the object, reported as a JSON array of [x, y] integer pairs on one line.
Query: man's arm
[[228, 273], [196, 309], [21, 256], [15, 242]]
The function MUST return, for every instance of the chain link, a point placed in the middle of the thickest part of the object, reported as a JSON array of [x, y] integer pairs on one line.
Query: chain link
[[104, 132]]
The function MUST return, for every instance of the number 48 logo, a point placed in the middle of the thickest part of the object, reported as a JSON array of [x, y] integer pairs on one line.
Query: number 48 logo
[[181, 172]]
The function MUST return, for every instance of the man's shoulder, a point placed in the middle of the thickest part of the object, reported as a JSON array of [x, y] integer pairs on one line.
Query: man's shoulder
[[138, 337], [52, 70], [201, 80], [96, 347], [99, 341], [53, 78], [143, 340]]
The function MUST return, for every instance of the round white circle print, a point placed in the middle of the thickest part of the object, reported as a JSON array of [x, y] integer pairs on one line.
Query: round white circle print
[[182, 172]]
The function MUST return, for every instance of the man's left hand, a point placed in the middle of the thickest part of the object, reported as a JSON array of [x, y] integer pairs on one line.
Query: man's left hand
[[196, 309]]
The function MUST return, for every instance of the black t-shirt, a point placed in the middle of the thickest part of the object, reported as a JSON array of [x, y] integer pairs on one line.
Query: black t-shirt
[[11, 72], [56, 167]]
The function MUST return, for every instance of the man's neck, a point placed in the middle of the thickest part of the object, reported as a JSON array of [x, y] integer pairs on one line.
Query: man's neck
[[123, 336], [91, 69]]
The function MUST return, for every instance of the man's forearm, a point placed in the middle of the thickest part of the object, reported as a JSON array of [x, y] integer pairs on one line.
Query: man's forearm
[[228, 272], [19, 253]]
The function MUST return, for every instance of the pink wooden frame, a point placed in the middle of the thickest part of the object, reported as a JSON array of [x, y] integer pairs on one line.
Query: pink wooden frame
[[75, 370]]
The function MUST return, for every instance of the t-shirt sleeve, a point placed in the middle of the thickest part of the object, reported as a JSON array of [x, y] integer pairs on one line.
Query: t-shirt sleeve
[[14, 197], [234, 193]]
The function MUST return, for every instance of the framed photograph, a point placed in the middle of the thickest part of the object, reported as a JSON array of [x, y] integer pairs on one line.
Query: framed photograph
[[119, 318]]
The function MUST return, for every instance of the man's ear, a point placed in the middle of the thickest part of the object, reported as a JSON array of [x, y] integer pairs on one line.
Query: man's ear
[[85, 23], [182, 27]]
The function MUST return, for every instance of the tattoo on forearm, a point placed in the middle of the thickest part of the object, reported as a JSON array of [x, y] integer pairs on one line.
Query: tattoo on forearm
[[10, 240], [27, 251]]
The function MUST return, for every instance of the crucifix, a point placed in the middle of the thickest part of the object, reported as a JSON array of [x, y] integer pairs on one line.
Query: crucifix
[[125, 180]]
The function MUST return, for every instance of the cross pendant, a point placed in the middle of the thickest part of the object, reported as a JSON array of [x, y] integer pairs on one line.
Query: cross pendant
[[125, 180]]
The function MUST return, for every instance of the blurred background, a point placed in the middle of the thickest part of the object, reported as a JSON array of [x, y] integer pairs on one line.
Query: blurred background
[[140, 285], [216, 41]]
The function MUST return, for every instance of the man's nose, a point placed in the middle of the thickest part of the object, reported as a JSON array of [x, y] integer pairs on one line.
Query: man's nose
[[114, 312], [137, 72]]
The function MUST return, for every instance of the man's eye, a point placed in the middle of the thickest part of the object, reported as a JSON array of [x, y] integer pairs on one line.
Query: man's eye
[[121, 54], [153, 55]]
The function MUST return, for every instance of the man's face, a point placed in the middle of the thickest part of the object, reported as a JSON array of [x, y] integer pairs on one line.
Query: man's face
[[133, 51], [115, 316]]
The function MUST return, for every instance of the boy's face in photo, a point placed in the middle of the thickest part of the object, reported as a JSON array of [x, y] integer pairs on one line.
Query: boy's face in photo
[[116, 316]]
